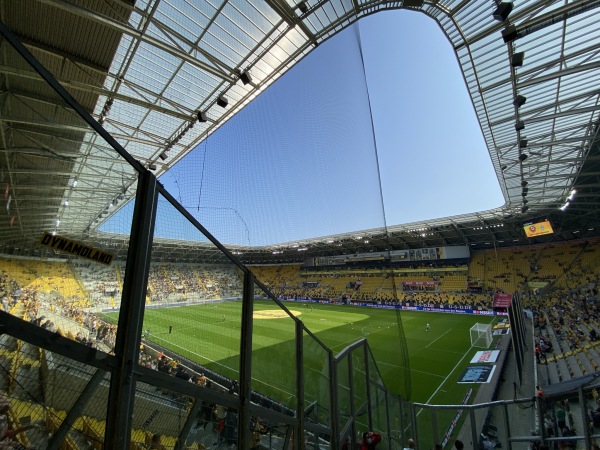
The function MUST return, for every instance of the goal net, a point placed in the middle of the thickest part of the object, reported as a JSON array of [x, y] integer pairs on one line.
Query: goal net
[[481, 335]]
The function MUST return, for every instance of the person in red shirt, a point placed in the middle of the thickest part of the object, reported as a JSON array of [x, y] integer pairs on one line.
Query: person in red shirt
[[370, 440]]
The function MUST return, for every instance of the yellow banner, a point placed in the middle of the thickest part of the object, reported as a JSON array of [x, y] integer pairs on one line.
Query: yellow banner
[[65, 245]]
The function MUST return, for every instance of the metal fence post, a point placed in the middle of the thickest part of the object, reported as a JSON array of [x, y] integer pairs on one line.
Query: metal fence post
[[133, 299], [245, 388], [300, 385]]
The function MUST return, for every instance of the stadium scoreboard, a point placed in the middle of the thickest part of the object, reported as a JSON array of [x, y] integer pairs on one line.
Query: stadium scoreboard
[[538, 229]]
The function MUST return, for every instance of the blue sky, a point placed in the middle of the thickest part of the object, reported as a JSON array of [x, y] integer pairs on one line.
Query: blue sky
[[304, 159]]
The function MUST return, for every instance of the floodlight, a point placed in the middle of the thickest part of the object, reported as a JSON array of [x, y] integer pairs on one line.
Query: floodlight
[[163, 156], [202, 116], [524, 183], [152, 167], [519, 125], [522, 157], [303, 7], [523, 143]]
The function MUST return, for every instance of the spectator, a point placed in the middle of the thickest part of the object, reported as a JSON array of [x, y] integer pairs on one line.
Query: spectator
[[409, 444], [371, 439], [561, 417]]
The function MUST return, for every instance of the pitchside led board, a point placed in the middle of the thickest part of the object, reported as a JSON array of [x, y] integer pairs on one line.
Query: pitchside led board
[[538, 229]]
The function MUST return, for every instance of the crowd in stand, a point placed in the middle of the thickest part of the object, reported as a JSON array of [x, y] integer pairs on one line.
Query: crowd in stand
[[218, 417]]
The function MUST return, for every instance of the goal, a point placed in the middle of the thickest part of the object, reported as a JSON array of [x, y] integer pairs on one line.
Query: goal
[[481, 335]]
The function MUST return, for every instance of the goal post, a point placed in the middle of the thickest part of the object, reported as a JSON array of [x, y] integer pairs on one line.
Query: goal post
[[481, 335]]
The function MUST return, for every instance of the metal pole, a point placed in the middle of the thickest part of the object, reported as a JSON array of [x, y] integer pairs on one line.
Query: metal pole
[[507, 441], [413, 418], [401, 411], [300, 385], [387, 416], [245, 389], [335, 438], [434, 427], [76, 410], [122, 383], [584, 418], [474, 434], [368, 385], [187, 426], [352, 397]]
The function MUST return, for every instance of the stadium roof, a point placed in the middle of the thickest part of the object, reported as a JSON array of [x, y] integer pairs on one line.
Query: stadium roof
[[148, 70]]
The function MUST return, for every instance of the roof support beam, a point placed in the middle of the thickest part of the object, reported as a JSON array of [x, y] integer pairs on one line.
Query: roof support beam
[[526, 72], [568, 112], [130, 31], [563, 101], [89, 88], [557, 74]]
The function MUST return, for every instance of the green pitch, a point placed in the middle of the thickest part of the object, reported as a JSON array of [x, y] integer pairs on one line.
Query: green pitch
[[210, 335]]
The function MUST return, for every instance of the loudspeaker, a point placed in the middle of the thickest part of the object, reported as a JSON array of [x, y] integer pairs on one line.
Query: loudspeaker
[[222, 101], [509, 34], [519, 101], [245, 77], [517, 59], [202, 116], [412, 3], [523, 143], [519, 125], [502, 11], [163, 156]]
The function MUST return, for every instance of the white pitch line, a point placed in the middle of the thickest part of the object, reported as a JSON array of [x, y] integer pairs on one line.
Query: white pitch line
[[447, 351], [438, 338], [446, 379], [412, 370]]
